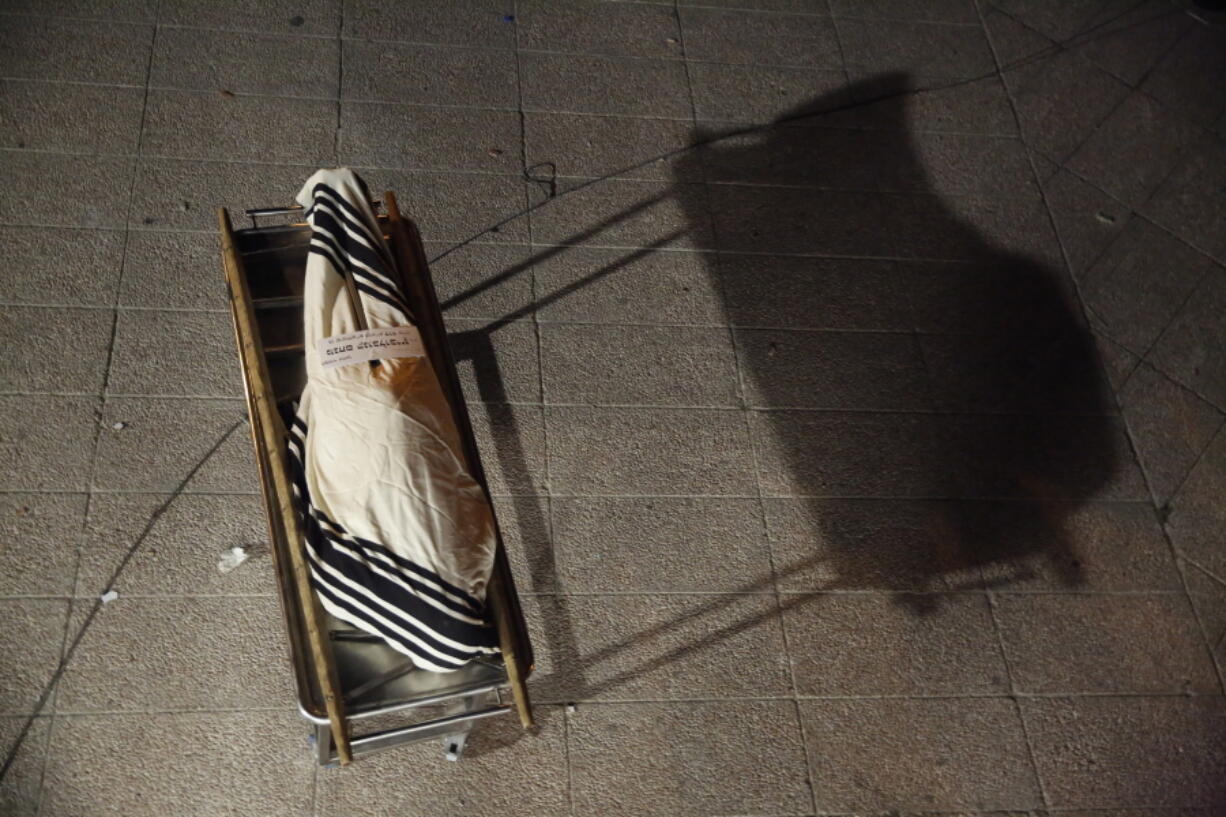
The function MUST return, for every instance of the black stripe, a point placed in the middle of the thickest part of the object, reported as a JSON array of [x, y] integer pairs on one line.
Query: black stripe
[[378, 281], [414, 613], [393, 638], [353, 212], [336, 224], [477, 608]]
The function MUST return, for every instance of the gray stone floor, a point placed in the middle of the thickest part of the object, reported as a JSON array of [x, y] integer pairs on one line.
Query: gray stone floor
[[869, 463]]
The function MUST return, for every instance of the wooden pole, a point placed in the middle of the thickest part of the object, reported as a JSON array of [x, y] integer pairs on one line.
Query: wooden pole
[[270, 433], [500, 594]]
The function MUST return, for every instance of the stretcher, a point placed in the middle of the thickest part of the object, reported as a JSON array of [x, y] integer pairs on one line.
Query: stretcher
[[359, 695]]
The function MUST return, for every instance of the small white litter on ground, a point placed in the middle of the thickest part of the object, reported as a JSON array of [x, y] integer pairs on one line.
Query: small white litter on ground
[[233, 557], [119, 426], [109, 596]]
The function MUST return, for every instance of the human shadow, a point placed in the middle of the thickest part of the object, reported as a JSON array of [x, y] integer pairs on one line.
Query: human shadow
[[927, 408]]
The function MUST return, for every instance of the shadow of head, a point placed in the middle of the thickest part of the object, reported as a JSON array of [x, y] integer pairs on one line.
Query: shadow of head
[[929, 402]]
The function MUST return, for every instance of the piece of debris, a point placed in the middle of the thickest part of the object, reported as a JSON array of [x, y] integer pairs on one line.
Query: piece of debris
[[23, 510], [570, 707], [233, 557], [671, 40], [109, 596], [226, 94], [495, 152], [185, 206], [297, 21], [119, 426], [1105, 218], [508, 18]]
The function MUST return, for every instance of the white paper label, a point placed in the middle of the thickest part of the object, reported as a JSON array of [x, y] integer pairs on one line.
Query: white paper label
[[370, 344]]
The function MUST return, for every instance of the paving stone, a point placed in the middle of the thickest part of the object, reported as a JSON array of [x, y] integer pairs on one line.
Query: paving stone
[[39, 454], [758, 94], [836, 158], [88, 51], [34, 630], [1118, 362], [814, 293], [499, 760], [1188, 349], [943, 11], [682, 646], [955, 165], [1197, 519], [659, 544], [648, 451], [1191, 202], [843, 454], [886, 545], [918, 754], [750, 38], [163, 439], [152, 346], [182, 195], [180, 553], [1055, 457], [190, 653], [428, 75], [1087, 220], [419, 138], [41, 533], [19, 791], [69, 267], [1208, 595], [173, 271], [1067, 643], [832, 370], [799, 6], [479, 265], [456, 206], [200, 125], [611, 29], [31, 333], [233, 62], [922, 48], [904, 101], [617, 762], [302, 17], [1134, 149], [1059, 98], [801, 222], [459, 22], [142, 11], [501, 366], [69, 118], [1092, 546], [623, 147], [625, 286], [72, 191], [511, 440], [1178, 81], [1140, 282], [914, 645], [214, 763], [649, 215], [1170, 428], [1104, 752], [1029, 366], [1130, 44], [524, 524], [639, 365], [603, 85]]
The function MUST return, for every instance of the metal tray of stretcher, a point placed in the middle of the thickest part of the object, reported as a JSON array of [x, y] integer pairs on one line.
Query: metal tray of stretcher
[[265, 269]]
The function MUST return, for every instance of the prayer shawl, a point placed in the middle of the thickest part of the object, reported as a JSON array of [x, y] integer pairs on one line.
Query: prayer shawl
[[399, 536]]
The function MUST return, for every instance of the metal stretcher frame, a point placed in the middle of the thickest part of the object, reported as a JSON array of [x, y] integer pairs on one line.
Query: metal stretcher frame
[[344, 676]]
